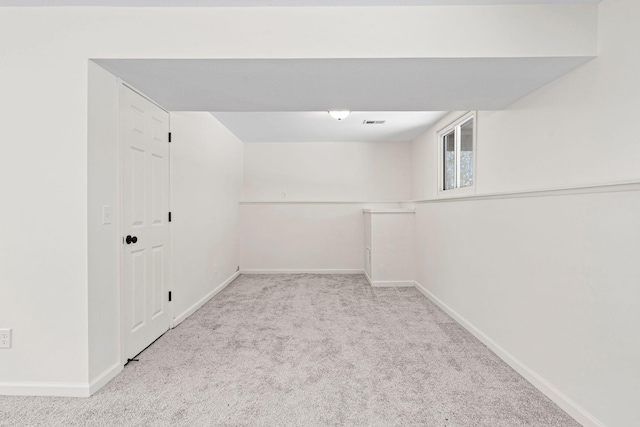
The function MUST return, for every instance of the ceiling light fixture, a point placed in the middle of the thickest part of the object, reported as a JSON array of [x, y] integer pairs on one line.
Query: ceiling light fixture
[[339, 115]]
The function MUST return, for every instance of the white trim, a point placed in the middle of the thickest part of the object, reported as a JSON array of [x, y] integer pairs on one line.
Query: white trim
[[613, 187], [301, 271], [389, 284], [393, 284], [104, 378], [390, 211], [559, 398], [61, 389], [120, 195], [366, 275], [607, 187], [143, 95], [319, 202], [179, 319], [172, 261]]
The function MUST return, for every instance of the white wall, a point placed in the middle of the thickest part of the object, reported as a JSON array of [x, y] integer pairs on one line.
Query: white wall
[[302, 236], [327, 171], [392, 247], [103, 155], [206, 181], [552, 280], [44, 182], [316, 236]]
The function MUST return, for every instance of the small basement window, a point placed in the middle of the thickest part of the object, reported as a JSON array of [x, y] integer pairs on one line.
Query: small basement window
[[456, 155]]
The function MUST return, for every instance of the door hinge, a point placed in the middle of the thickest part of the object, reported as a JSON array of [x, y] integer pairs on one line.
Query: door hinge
[[169, 296], [169, 216], [169, 136]]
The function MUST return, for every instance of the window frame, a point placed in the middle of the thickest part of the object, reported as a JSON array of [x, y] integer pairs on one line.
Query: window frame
[[455, 126]]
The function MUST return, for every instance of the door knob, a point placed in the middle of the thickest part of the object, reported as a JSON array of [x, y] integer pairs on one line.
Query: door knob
[[131, 239]]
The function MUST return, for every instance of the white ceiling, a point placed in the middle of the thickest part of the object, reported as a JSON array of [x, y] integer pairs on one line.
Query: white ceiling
[[425, 84], [286, 100], [318, 126], [274, 3]]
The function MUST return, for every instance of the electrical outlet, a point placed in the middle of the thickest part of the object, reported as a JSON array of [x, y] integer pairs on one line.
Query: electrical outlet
[[5, 338]]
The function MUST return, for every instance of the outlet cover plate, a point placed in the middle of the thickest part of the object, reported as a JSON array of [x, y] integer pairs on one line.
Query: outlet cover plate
[[106, 215], [5, 338]]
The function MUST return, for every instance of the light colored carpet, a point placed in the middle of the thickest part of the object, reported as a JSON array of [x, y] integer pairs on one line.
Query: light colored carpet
[[307, 350]]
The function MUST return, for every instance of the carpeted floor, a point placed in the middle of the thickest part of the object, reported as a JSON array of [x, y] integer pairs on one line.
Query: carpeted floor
[[307, 350]]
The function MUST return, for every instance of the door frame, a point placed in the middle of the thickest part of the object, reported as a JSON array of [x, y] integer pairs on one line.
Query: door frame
[[121, 85]]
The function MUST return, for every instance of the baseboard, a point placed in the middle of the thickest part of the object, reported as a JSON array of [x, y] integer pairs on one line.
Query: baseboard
[[390, 283], [104, 378], [61, 389], [393, 284], [300, 271], [44, 389], [559, 398], [366, 275], [180, 318]]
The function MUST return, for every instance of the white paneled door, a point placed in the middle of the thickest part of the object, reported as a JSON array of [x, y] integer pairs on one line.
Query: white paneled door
[[145, 209]]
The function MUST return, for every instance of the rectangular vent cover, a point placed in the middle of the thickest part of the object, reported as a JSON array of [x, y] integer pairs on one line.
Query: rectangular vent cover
[[373, 122]]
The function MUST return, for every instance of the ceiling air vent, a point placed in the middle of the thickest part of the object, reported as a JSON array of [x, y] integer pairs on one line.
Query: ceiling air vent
[[373, 122]]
